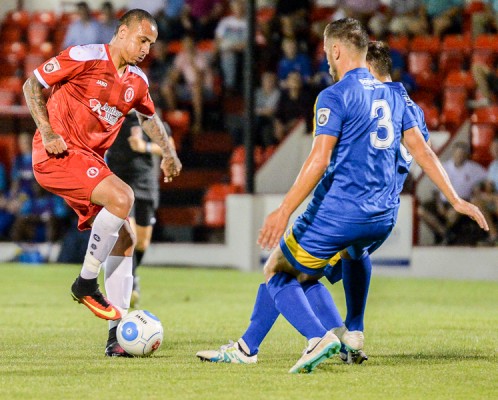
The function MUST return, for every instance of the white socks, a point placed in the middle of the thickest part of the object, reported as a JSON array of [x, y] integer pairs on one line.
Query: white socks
[[105, 232], [119, 283]]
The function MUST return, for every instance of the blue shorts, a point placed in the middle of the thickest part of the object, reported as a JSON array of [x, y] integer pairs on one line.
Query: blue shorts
[[309, 245]]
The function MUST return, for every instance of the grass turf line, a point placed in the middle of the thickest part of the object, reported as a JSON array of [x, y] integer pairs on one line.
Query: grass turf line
[[432, 339]]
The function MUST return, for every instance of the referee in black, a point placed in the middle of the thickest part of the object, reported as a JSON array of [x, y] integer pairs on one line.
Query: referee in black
[[132, 158]]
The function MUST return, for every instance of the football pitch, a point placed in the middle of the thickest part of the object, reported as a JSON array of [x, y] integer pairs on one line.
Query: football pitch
[[426, 339]]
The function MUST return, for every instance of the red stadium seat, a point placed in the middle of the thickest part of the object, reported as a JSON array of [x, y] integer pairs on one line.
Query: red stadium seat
[[455, 50], [458, 43], [37, 33], [485, 115], [485, 49], [482, 135], [10, 34], [427, 80], [48, 18], [7, 97], [8, 149], [399, 43], [265, 14], [460, 79], [426, 44], [238, 164], [419, 62], [214, 204], [179, 121], [19, 18], [431, 114], [12, 83], [454, 110], [321, 13], [31, 62]]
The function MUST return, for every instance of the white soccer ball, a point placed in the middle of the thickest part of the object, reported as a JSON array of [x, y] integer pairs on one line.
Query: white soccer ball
[[140, 333]]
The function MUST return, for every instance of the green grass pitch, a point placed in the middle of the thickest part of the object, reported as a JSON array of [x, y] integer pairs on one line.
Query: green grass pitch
[[426, 339]]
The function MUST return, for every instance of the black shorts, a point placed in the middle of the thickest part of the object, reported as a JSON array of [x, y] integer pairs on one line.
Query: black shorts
[[144, 212], [492, 80]]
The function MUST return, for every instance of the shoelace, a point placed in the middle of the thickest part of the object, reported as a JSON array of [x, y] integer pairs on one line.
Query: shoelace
[[225, 347], [99, 298]]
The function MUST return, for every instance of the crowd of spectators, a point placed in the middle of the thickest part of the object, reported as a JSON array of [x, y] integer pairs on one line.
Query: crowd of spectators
[[198, 61]]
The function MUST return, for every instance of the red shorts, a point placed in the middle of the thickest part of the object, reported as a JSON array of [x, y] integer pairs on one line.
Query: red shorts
[[74, 177]]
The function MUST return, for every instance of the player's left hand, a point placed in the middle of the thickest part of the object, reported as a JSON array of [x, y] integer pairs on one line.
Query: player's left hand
[[469, 209], [273, 229], [171, 167]]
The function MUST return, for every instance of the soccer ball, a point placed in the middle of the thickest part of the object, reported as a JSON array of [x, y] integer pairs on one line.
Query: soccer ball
[[140, 333]]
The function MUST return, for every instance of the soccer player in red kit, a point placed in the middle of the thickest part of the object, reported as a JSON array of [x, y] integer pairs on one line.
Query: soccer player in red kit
[[93, 88]]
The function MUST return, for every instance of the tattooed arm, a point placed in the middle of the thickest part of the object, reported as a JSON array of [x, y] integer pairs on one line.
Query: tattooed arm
[[54, 143], [154, 128]]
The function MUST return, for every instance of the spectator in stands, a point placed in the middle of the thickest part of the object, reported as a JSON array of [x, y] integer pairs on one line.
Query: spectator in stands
[[203, 17], [85, 30], [399, 72], [362, 10], [322, 78], [108, 22], [445, 16], [158, 71], [231, 38], [487, 20], [486, 198], [193, 68], [407, 17], [22, 176], [294, 104], [293, 61], [437, 213], [266, 101], [6, 216], [37, 219], [486, 79], [170, 23]]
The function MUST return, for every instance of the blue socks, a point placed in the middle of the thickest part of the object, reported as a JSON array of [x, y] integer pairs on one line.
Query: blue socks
[[290, 300], [322, 304], [356, 279], [264, 315]]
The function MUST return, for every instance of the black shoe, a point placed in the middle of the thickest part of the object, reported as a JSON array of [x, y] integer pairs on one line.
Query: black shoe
[[86, 292], [352, 357], [115, 350]]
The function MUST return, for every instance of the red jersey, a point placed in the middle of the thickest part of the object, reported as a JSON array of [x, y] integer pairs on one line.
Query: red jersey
[[89, 99]]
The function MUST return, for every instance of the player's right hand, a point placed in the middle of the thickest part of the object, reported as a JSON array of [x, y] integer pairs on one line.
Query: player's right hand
[[473, 212], [54, 143]]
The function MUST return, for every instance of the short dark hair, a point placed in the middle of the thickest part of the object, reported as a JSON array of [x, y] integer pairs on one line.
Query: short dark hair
[[348, 30], [136, 14], [379, 57]]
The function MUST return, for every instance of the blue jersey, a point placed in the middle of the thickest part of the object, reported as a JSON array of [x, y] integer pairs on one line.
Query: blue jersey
[[405, 159], [368, 118]]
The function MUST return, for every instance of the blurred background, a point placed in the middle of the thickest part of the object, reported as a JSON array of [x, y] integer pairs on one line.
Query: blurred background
[[444, 52]]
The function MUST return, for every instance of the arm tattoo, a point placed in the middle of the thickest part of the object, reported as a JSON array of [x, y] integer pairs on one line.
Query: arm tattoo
[[37, 105], [154, 128]]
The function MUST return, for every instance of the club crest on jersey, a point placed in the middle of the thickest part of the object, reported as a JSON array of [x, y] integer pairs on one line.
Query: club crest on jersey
[[105, 112], [92, 172], [323, 116], [129, 94], [51, 65]]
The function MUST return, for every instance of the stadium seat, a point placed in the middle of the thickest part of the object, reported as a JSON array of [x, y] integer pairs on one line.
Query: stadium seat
[[7, 97], [454, 107], [450, 60], [174, 46], [319, 13], [419, 62], [10, 34], [399, 43], [12, 83], [265, 14], [426, 44], [180, 216], [485, 115], [31, 62], [482, 135], [214, 204], [37, 33], [460, 78], [238, 164], [206, 45], [471, 7], [485, 49], [455, 52], [8, 149], [427, 80], [431, 114], [19, 18], [179, 121], [48, 18]]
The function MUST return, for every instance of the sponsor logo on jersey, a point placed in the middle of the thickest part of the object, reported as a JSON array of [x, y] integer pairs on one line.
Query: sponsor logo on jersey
[[322, 116], [370, 84], [101, 83], [51, 65], [129, 94], [409, 102], [92, 172], [105, 112]]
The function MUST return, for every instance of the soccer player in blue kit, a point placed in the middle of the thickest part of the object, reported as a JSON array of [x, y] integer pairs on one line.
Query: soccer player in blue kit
[[358, 131]]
